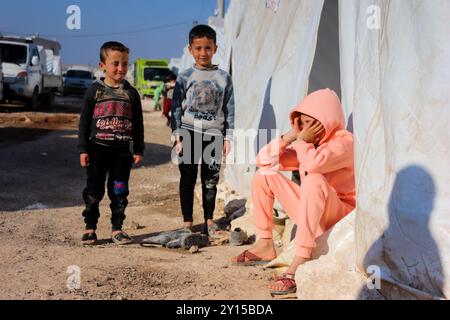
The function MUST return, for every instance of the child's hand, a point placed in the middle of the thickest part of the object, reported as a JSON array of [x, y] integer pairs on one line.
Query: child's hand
[[226, 147], [292, 135], [179, 148], [137, 159], [84, 160], [311, 132]]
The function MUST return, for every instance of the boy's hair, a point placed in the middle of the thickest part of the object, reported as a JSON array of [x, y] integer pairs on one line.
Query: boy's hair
[[202, 31], [111, 45], [171, 76]]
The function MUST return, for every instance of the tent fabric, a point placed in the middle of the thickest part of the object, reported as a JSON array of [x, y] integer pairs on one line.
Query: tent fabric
[[396, 83], [271, 58]]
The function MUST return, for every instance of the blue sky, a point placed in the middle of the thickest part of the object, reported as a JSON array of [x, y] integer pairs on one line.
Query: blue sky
[[104, 20]]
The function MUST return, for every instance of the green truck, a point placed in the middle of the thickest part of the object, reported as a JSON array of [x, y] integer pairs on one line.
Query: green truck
[[149, 74]]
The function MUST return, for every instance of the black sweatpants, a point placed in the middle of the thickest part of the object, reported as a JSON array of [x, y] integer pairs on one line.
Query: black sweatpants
[[116, 162], [206, 151]]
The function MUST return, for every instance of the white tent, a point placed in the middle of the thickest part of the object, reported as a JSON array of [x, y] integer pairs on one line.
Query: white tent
[[271, 52], [396, 74]]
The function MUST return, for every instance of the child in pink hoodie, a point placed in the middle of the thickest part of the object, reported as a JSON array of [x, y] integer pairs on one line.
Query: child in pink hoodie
[[322, 150]]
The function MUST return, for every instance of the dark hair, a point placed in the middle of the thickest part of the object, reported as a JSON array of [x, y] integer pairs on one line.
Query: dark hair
[[111, 45], [171, 76], [202, 31]]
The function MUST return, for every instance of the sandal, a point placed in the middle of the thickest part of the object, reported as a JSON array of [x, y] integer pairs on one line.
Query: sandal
[[289, 286], [89, 238], [211, 230], [246, 258], [121, 238]]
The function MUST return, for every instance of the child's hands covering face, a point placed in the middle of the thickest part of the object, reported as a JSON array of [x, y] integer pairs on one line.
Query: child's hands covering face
[[310, 132]]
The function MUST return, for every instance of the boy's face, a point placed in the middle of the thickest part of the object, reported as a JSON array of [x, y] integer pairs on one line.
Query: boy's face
[[203, 50], [115, 66]]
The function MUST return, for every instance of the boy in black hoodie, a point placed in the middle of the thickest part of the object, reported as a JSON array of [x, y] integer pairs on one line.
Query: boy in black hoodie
[[110, 119]]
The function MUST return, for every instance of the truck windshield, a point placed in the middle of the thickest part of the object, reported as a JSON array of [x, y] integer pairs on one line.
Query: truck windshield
[[78, 74], [159, 74], [13, 53]]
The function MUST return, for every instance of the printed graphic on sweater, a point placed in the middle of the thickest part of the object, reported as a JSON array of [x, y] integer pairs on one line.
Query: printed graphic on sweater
[[114, 124], [112, 108], [203, 99], [113, 115]]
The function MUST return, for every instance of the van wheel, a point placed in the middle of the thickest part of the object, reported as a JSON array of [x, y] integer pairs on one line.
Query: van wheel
[[33, 102], [47, 100]]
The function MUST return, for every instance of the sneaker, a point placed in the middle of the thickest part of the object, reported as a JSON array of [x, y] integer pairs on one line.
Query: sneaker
[[89, 238]]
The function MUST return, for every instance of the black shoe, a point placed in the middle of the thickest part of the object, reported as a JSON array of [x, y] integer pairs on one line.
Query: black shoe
[[89, 238]]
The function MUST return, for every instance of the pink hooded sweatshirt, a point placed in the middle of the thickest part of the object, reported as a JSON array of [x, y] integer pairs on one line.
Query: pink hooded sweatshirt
[[333, 157]]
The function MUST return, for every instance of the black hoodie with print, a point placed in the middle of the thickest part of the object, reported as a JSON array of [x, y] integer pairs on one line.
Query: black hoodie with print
[[111, 117]]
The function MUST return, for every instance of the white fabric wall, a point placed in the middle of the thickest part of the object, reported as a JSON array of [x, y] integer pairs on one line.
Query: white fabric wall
[[347, 39], [396, 80], [271, 57], [218, 25], [186, 60]]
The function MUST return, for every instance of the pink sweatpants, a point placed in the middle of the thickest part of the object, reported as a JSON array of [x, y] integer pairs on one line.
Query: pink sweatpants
[[314, 207]]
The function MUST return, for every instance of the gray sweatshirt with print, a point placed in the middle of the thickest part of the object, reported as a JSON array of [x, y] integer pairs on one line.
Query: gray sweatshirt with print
[[203, 101]]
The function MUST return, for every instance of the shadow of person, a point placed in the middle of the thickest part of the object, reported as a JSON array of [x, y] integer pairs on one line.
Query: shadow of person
[[267, 121], [350, 123], [406, 253], [156, 154]]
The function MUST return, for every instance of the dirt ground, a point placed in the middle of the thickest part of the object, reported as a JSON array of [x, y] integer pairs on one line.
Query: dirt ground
[[41, 224]]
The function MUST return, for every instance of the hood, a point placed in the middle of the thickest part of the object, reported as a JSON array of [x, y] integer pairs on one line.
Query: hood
[[323, 105], [12, 69]]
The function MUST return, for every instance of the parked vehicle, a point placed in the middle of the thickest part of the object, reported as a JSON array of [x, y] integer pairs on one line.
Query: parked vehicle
[[31, 68], [150, 74], [1, 77], [77, 79]]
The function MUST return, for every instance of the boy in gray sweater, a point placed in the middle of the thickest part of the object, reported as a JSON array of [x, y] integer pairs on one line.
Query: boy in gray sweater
[[202, 123]]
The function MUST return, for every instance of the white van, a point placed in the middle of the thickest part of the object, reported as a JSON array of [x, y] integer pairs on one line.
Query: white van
[[31, 70]]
